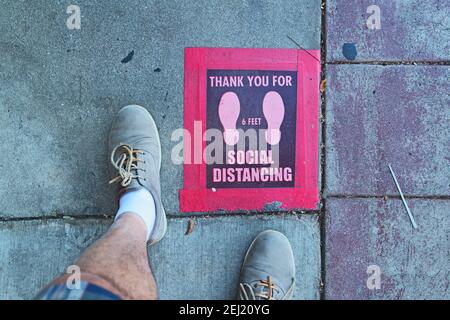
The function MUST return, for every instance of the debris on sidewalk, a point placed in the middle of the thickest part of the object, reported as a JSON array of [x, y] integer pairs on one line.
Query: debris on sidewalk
[[190, 227], [403, 198], [323, 85], [128, 57]]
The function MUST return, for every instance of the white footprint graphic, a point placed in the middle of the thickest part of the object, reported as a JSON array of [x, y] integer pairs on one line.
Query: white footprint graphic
[[273, 109], [229, 109]]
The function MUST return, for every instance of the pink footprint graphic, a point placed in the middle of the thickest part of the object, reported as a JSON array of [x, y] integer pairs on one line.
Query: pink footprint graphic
[[273, 109], [229, 109]]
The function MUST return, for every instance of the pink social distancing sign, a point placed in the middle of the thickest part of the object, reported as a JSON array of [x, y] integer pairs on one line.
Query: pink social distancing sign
[[251, 120]]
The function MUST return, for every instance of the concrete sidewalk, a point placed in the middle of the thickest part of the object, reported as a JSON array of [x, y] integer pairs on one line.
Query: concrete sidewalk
[[388, 103]]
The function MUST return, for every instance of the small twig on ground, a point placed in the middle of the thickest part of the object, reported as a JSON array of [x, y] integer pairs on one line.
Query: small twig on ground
[[190, 227], [403, 198], [298, 45]]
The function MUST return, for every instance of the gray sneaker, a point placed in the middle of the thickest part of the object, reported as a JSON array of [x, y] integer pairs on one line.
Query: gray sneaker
[[268, 271], [136, 158]]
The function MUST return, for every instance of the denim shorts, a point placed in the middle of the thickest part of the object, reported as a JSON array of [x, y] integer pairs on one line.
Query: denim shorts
[[87, 291]]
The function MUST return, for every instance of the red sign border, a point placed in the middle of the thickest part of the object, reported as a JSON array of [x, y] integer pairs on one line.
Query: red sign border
[[195, 197]]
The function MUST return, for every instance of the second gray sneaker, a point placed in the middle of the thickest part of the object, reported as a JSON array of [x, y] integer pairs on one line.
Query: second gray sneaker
[[268, 270], [136, 158]]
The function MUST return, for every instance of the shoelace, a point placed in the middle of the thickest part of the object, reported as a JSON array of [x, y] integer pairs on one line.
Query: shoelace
[[126, 163], [266, 284]]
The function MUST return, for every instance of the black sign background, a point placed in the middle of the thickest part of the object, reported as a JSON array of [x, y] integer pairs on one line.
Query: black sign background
[[251, 101]]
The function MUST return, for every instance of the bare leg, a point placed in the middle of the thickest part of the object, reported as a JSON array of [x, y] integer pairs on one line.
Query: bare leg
[[120, 257], [118, 262]]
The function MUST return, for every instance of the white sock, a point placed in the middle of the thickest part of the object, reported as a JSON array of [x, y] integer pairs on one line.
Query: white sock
[[140, 202]]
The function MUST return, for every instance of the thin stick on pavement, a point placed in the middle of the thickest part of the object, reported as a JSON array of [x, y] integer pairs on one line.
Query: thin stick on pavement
[[403, 198]]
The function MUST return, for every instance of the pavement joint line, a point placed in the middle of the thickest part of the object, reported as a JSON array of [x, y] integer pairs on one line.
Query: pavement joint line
[[320, 212], [169, 216], [390, 196], [59, 217], [392, 63], [249, 214], [323, 127]]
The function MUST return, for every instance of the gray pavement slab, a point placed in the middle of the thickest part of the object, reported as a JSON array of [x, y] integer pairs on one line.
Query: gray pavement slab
[[33, 252], [375, 232], [60, 88], [202, 265], [380, 115], [411, 30]]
